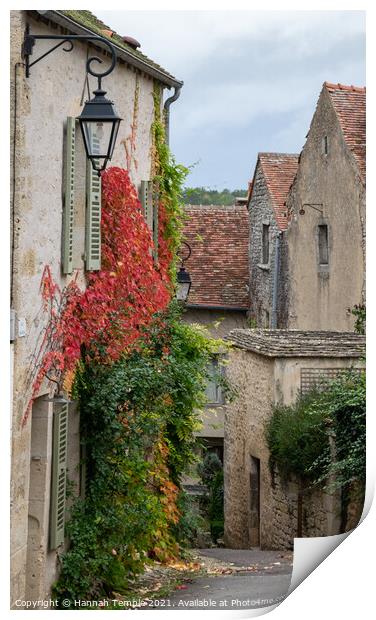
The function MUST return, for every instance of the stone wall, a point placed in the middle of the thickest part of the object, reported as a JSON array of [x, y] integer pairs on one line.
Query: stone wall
[[320, 296], [261, 276], [44, 101], [260, 382], [252, 377]]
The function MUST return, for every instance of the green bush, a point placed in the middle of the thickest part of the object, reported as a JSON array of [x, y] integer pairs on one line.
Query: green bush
[[211, 473], [191, 523], [298, 435]]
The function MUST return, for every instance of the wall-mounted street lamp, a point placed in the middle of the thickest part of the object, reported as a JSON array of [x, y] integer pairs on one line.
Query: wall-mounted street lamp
[[183, 278], [99, 120], [314, 205]]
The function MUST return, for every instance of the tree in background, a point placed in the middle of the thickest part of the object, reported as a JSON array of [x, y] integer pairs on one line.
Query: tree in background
[[206, 196]]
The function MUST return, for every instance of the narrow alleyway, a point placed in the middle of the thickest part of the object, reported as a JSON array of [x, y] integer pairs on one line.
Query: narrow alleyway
[[230, 579]]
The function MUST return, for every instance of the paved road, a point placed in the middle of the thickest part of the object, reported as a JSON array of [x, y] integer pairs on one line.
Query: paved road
[[265, 562], [263, 579]]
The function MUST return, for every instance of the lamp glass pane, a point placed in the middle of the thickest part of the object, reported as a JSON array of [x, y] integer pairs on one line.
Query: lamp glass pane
[[115, 130], [97, 135], [182, 291]]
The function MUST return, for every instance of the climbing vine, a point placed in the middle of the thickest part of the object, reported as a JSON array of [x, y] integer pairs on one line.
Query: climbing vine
[[138, 373], [169, 177], [138, 418], [107, 318], [130, 142]]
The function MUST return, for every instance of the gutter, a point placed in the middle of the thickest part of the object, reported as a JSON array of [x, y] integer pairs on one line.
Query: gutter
[[166, 110], [139, 63], [274, 318]]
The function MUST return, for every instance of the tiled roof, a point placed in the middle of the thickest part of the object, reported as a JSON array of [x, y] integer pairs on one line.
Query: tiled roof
[[279, 171], [218, 266], [350, 105], [89, 21], [295, 343]]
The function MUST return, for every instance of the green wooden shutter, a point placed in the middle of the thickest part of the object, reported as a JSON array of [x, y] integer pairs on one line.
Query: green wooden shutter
[[59, 474], [68, 196], [155, 225], [146, 199], [93, 218]]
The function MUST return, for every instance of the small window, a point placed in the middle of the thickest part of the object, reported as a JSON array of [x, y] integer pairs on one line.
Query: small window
[[323, 244], [325, 145], [265, 244], [213, 387], [266, 319]]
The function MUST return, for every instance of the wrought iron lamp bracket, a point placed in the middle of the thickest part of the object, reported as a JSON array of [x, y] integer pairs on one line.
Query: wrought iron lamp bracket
[[183, 259], [30, 39]]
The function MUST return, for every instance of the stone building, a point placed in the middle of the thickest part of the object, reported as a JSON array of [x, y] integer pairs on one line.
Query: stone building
[[269, 367], [54, 184], [324, 268], [219, 295], [268, 221]]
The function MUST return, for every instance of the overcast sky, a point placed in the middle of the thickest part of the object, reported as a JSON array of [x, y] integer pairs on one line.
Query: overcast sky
[[251, 79]]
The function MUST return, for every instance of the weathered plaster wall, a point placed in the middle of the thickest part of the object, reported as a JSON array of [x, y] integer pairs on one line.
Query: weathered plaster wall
[[320, 296], [218, 322], [261, 381], [287, 374], [261, 276], [44, 100]]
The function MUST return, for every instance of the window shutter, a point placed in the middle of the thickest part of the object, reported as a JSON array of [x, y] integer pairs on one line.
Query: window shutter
[[213, 387], [147, 202], [59, 475], [93, 216], [155, 225], [68, 196], [144, 197]]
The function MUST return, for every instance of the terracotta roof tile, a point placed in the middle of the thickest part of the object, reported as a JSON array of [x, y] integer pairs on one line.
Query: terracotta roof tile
[[218, 266], [349, 103], [279, 171]]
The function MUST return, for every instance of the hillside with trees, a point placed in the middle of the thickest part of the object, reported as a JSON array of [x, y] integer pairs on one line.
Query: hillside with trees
[[207, 196]]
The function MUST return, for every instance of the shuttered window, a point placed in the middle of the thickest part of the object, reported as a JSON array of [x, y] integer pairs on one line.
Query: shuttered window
[[213, 387], [59, 476], [155, 224], [146, 199], [68, 195], [93, 216], [149, 202]]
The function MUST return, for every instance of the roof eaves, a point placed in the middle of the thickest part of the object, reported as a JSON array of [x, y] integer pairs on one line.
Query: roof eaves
[[140, 61], [216, 307]]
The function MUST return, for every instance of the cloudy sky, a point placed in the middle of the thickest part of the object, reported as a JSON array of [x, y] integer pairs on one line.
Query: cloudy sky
[[251, 79]]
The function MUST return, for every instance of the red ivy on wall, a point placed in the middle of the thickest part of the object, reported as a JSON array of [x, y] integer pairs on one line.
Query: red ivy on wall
[[119, 301]]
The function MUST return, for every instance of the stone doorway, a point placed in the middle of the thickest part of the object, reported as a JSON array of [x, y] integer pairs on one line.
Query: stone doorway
[[254, 502]]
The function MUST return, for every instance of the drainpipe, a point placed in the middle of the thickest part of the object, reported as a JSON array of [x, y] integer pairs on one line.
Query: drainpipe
[[276, 281], [166, 110]]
